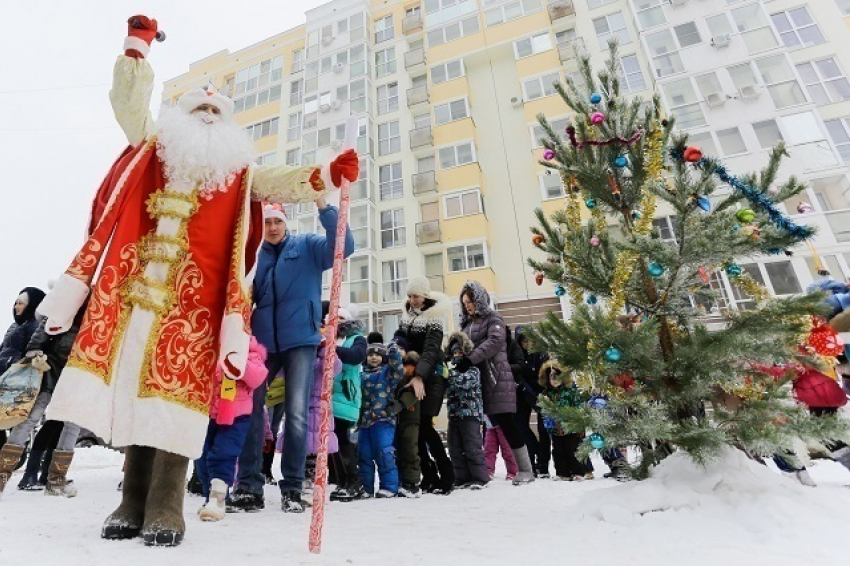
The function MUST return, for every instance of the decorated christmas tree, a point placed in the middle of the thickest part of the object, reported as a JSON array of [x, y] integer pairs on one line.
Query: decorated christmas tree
[[637, 340]]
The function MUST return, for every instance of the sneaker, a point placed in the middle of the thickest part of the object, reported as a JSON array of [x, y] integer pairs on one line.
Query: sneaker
[[523, 478], [215, 508], [510, 476], [290, 502], [476, 486], [409, 490], [269, 479], [244, 502], [544, 476], [562, 478], [30, 483], [384, 494], [366, 495], [578, 477], [588, 476], [340, 494]]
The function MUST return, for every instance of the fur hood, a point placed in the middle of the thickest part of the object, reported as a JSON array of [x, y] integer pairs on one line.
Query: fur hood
[[549, 366], [481, 299], [437, 306], [466, 344]]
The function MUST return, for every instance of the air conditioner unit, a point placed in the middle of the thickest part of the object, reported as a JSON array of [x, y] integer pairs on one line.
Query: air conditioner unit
[[336, 144], [721, 40], [516, 101], [324, 107], [749, 91], [327, 40], [715, 99], [336, 104], [339, 67]]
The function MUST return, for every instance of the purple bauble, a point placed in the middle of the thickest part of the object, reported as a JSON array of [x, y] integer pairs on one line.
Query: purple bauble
[[597, 117], [548, 154]]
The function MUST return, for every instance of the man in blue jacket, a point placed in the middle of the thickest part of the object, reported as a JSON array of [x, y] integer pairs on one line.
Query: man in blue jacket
[[286, 320]]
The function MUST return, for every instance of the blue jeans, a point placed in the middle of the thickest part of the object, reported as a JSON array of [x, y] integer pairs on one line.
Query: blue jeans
[[375, 447], [221, 450]]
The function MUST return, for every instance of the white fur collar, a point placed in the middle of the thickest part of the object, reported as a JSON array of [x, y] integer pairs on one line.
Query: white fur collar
[[438, 312]]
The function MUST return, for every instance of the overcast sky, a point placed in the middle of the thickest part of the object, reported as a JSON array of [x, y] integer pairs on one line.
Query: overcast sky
[[57, 134]]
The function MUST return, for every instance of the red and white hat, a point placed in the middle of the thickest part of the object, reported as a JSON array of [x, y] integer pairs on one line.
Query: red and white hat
[[209, 95], [274, 210]]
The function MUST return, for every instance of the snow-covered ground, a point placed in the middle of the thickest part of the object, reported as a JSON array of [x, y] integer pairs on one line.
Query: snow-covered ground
[[742, 514]]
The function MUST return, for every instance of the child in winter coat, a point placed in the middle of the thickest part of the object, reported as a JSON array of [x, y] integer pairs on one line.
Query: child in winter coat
[[466, 412], [382, 373], [230, 417], [560, 388], [495, 441]]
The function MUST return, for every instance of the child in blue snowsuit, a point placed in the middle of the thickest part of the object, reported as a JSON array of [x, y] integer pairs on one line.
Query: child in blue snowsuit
[[379, 379]]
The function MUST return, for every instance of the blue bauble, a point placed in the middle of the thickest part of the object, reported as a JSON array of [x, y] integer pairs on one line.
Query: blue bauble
[[597, 441], [592, 300], [613, 355], [621, 161], [590, 203], [595, 98], [655, 269], [704, 203], [560, 291], [597, 402], [636, 215], [734, 270]]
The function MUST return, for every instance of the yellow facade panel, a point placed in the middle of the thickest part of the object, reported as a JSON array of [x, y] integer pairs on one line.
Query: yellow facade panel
[[455, 281], [259, 113], [454, 131], [519, 28], [464, 228], [459, 177], [548, 105], [547, 61], [449, 90], [450, 50], [266, 144], [551, 206]]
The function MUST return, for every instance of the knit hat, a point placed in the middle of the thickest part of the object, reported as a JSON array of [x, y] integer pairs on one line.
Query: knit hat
[[455, 347], [274, 210], [198, 96], [419, 285], [375, 337], [377, 349], [402, 343]]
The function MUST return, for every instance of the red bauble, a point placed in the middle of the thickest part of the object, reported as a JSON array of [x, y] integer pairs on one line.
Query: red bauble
[[537, 239], [692, 154], [538, 278]]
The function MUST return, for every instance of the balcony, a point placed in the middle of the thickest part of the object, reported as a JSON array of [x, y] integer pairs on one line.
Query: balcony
[[411, 23], [560, 9], [424, 183], [421, 138], [415, 60], [417, 96], [570, 51], [428, 233], [438, 283]]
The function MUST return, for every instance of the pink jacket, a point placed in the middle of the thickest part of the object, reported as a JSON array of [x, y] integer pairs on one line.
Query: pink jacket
[[255, 374]]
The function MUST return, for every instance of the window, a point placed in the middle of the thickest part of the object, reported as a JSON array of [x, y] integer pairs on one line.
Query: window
[[450, 111], [844, 6], [471, 256], [687, 34], [782, 278], [797, 28], [540, 86], [447, 71], [754, 27], [394, 277], [664, 52], [258, 84], [357, 56], [533, 45], [718, 25], [767, 133], [565, 37], [559, 125], [311, 109], [708, 83], [511, 11], [296, 92], [801, 128], [631, 77], [293, 129], [666, 229], [455, 155], [612, 26], [267, 159], [357, 96], [357, 27], [683, 102], [824, 81], [466, 203], [742, 76], [387, 98], [293, 157], [839, 131], [828, 261], [704, 141], [591, 4], [649, 13], [263, 129], [731, 142], [383, 29], [777, 75], [393, 234], [389, 138], [385, 62], [392, 185], [453, 31], [551, 185], [297, 61]]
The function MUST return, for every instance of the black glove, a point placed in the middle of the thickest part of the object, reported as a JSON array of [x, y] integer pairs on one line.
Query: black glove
[[463, 365]]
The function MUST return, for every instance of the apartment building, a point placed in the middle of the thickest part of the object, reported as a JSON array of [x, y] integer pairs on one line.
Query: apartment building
[[446, 93]]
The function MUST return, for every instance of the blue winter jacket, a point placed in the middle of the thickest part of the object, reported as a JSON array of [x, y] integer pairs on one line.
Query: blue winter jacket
[[288, 286]]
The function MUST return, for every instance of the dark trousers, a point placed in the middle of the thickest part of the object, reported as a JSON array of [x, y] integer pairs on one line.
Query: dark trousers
[[505, 421], [436, 473], [523, 421], [544, 446], [407, 440], [221, 451], [344, 462], [564, 454], [466, 451]]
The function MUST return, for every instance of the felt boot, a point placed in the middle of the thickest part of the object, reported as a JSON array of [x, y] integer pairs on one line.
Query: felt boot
[[57, 476], [45, 466], [164, 524], [126, 521], [9, 457], [523, 462]]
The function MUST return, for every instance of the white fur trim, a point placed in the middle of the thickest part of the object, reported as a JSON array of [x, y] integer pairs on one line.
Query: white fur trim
[[234, 344], [139, 45], [325, 174], [270, 211], [198, 96], [64, 300]]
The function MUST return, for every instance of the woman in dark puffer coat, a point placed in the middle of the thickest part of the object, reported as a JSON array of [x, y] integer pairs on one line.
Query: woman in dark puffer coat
[[487, 331]]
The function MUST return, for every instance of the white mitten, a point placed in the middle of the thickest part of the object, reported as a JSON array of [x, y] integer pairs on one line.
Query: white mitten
[[53, 327]]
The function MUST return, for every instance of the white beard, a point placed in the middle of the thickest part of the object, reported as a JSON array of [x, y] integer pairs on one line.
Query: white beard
[[196, 152]]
